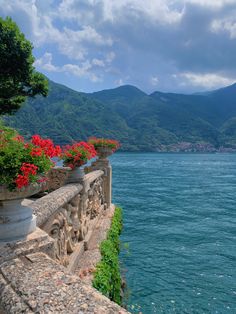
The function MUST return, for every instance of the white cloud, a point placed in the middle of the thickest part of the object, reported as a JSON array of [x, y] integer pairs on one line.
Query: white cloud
[[87, 35], [75, 44], [154, 80], [112, 40], [208, 80], [39, 27], [212, 3], [228, 25], [98, 62], [85, 69], [45, 63], [154, 11]]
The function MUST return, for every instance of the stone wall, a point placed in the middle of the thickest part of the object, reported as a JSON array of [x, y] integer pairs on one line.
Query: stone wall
[[38, 273], [69, 215]]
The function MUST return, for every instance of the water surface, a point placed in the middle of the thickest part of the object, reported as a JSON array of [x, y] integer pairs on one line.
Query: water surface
[[180, 224]]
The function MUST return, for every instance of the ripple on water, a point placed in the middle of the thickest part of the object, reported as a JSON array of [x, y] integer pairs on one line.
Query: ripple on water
[[179, 221]]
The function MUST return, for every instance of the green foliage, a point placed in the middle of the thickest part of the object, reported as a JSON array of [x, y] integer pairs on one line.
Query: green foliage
[[14, 154], [228, 133], [138, 121], [18, 78], [107, 277]]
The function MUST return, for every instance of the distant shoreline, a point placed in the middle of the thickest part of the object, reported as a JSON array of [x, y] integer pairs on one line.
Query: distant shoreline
[[174, 152], [185, 147]]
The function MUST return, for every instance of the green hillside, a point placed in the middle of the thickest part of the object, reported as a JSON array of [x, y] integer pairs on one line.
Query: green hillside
[[156, 122]]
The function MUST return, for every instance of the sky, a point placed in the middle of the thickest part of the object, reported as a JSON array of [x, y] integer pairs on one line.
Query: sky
[[183, 46]]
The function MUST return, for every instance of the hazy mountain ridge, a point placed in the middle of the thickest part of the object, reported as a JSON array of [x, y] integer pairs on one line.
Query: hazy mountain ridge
[[156, 122]]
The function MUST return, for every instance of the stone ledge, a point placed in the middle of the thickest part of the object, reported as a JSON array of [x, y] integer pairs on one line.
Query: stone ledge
[[37, 284], [49, 204], [93, 175], [37, 241]]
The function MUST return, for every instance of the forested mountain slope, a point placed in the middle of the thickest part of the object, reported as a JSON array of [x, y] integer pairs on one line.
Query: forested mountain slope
[[156, 122]]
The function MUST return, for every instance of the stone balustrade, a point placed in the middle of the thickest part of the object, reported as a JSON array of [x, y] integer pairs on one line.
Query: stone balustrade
[[66, 220], [69, 214]]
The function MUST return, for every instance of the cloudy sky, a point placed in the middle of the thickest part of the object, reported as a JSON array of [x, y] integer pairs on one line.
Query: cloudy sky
[[166, 45]]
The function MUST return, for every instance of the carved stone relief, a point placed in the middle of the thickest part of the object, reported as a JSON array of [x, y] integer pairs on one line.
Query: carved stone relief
[[70, 224], [95, 198]]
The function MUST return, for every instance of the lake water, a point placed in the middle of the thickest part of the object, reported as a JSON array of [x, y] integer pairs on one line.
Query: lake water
[[180, 225]]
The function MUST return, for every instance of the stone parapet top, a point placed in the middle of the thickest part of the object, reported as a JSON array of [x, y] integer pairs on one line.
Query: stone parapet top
[[92, 176], [37, 284], [49, 204]]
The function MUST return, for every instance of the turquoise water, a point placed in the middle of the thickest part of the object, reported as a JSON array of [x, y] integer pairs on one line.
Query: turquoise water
[[180, 224]]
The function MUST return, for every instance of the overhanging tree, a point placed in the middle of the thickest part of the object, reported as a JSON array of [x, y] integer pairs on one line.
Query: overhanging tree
[[18, 78]]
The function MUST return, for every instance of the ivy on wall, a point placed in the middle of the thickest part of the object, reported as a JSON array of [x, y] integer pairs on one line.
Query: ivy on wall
[[107, 278]]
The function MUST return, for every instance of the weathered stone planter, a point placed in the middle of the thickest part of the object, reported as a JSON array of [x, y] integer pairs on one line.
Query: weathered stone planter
[[16, 220], [104, 152], [75, 175]]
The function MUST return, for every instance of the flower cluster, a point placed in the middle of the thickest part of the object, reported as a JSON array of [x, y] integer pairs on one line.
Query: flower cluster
[[77, 154], [102, 142], [27, 171], [45, 146], [24, 162]]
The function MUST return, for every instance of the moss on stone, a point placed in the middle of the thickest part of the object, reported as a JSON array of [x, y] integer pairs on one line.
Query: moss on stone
[[107, 278]]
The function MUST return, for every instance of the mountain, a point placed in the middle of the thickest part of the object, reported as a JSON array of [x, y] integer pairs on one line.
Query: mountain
[[156, 122]]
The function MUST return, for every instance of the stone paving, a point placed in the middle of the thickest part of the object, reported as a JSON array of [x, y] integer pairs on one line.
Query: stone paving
[[37, 284]]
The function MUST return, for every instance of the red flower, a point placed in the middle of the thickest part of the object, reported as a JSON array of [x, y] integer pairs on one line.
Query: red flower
[[77, 154], [36, 155], [28, 169], [36, 151], [57, 150], [102, 142], [21, 181], [36, 140], [47, 146]]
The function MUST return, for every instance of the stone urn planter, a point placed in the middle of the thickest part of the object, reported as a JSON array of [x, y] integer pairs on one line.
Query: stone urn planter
[[104, 152], [17, 220], [75, 175]]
